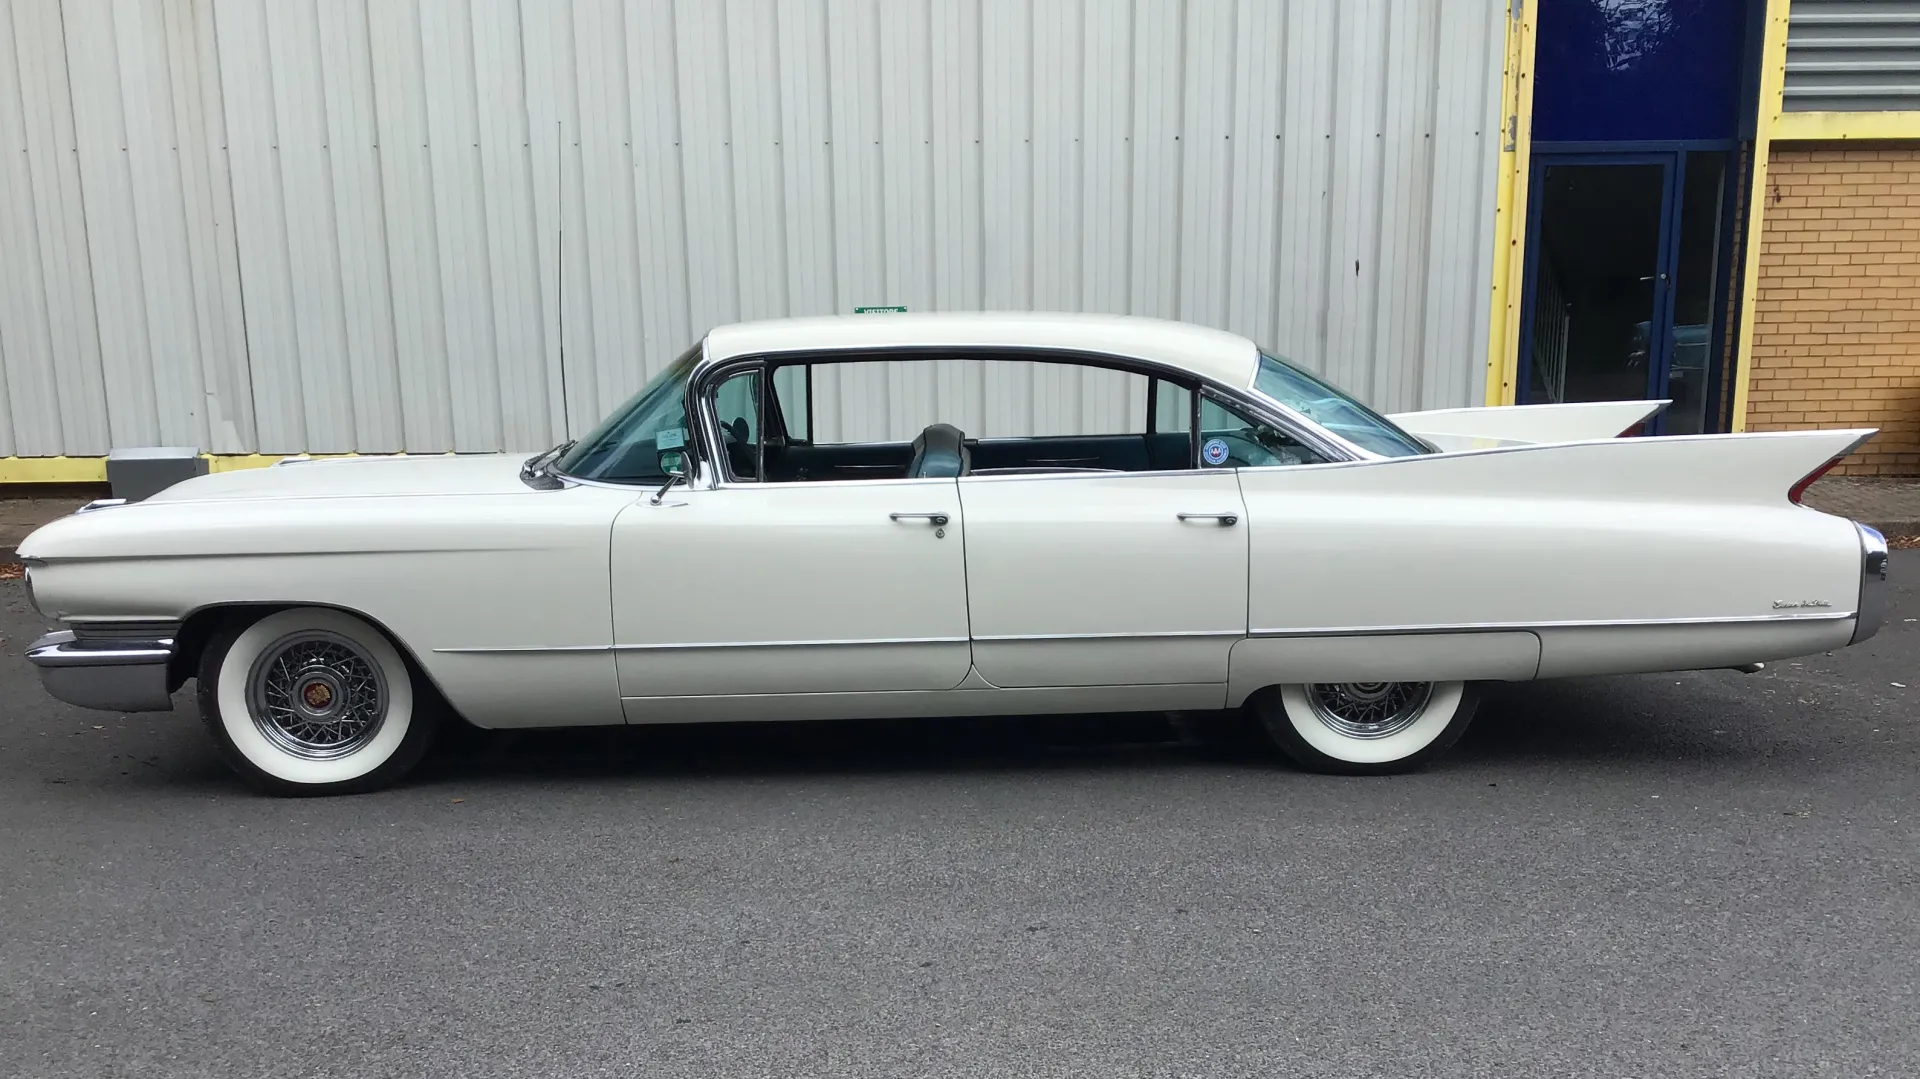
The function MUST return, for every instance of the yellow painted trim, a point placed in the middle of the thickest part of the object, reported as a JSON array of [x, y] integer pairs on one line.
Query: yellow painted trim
[[94, 469], [1845, 125], [1773, 75], [234, 462], [1510, 203], [53, 469]]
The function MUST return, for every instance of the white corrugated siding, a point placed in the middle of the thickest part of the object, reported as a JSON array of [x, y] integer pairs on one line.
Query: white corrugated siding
[[327, 225]]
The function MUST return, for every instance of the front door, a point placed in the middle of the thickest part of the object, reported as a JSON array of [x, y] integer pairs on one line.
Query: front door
[[791, 588], [1101, 579], [1623, 267]]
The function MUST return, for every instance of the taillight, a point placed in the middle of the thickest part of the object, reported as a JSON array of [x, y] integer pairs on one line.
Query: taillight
[[1632, 431], [1798, 489]]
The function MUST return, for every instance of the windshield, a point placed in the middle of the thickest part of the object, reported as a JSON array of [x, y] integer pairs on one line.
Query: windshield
[[642, 438], [1333, 409]]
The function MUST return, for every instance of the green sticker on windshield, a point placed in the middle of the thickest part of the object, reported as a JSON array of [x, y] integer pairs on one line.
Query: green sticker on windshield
[[671, 438]]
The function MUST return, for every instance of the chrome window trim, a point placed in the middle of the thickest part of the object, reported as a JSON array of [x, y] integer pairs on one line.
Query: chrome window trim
[[888, 481], [1114, 475], [709, 369]]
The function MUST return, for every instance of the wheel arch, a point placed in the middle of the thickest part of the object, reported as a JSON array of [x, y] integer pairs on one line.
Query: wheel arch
[[200, 625]]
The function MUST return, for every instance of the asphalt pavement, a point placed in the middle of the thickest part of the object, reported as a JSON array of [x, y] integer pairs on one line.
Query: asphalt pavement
[[1697, 874]]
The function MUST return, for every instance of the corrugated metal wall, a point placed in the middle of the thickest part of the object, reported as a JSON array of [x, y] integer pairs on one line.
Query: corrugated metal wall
[[330, 225], [1852, 56]]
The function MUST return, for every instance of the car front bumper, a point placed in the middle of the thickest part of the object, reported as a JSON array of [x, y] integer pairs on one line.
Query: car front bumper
[[118, 674]]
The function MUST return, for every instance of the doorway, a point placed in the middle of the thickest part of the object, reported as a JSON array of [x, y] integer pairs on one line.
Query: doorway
[[1626, 282]]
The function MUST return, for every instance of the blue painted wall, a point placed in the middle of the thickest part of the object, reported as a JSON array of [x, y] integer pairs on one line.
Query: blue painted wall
[[1639, 70]]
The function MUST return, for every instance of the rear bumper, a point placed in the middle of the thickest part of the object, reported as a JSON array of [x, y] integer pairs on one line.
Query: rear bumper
[[121, 675], [1873, 583]]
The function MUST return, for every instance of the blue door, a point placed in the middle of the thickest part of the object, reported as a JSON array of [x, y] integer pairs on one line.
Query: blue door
[[1625, 262]]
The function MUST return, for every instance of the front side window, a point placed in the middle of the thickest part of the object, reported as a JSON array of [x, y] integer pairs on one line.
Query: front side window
[[642, 439], [1332, 409], [736, 404]]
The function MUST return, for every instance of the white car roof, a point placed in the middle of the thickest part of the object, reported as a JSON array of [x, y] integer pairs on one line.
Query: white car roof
[[1211, 354]]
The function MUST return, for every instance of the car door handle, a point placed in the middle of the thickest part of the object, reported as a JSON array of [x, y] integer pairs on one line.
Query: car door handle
[[936, 519], [1224, 520]]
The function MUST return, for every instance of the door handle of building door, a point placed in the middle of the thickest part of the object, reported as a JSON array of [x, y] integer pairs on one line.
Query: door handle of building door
[[938, 520], [1224, 520]]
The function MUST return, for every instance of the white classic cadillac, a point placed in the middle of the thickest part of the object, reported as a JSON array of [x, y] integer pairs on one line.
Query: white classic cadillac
[[1245, 535]]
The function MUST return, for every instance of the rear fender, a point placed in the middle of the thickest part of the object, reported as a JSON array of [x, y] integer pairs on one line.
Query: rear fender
[[1692, 529]]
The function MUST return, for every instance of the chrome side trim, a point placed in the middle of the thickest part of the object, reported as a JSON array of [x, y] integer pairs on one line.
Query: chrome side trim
[[878, 642], [1104, 474], [127, 675], [1484, 627], [1110, 636], [1873, 583], [524, 649]]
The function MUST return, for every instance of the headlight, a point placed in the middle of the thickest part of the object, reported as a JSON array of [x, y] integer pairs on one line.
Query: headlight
[[31, 602]]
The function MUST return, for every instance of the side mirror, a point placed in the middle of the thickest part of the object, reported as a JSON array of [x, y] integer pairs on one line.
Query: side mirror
[[676, 473]]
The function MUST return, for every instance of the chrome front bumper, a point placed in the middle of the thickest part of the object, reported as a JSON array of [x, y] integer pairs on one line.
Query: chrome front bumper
[[1873, 583], [117, 674]]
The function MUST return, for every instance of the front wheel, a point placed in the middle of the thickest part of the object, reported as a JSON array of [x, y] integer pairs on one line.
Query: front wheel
[[1365, 728], [313, 701]]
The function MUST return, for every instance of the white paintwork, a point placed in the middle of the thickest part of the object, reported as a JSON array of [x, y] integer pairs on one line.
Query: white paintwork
[[514, 568], [275, 226], [775, 587], [1127, 592], [1489, 428], [1259, 662], [1052, 592]]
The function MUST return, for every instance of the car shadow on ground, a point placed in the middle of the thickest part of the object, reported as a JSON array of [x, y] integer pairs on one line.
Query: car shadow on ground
[[1550, 723]]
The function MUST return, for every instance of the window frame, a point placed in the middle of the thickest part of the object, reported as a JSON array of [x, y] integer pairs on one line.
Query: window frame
[[708, 373]]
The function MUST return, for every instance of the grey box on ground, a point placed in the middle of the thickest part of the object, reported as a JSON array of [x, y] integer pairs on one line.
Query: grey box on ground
[[137, 473]]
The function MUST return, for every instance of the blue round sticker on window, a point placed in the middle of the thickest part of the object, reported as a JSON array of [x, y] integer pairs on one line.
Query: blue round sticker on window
[[1214, 451]]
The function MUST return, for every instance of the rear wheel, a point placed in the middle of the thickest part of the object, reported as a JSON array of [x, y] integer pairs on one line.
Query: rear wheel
[[1365, 728], [314, 701]]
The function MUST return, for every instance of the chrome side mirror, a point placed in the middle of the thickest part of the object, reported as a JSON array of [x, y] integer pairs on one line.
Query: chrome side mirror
[[674, 475]]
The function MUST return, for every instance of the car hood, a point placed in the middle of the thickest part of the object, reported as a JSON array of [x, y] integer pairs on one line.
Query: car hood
[[351, 477]]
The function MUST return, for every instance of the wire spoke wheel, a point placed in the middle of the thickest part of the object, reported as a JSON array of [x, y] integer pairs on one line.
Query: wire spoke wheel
[[317, 694], [1369, 709]]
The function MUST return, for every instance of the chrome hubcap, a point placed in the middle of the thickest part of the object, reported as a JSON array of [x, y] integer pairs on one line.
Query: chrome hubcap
[[317, 695], [1369, 709]]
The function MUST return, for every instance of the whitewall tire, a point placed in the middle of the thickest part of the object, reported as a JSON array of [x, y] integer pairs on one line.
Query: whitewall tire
[[1365, 728], [312, 700]]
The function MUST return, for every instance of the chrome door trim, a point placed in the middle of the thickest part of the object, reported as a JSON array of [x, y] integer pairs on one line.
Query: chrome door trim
[[877, 642], [1495, 627]]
